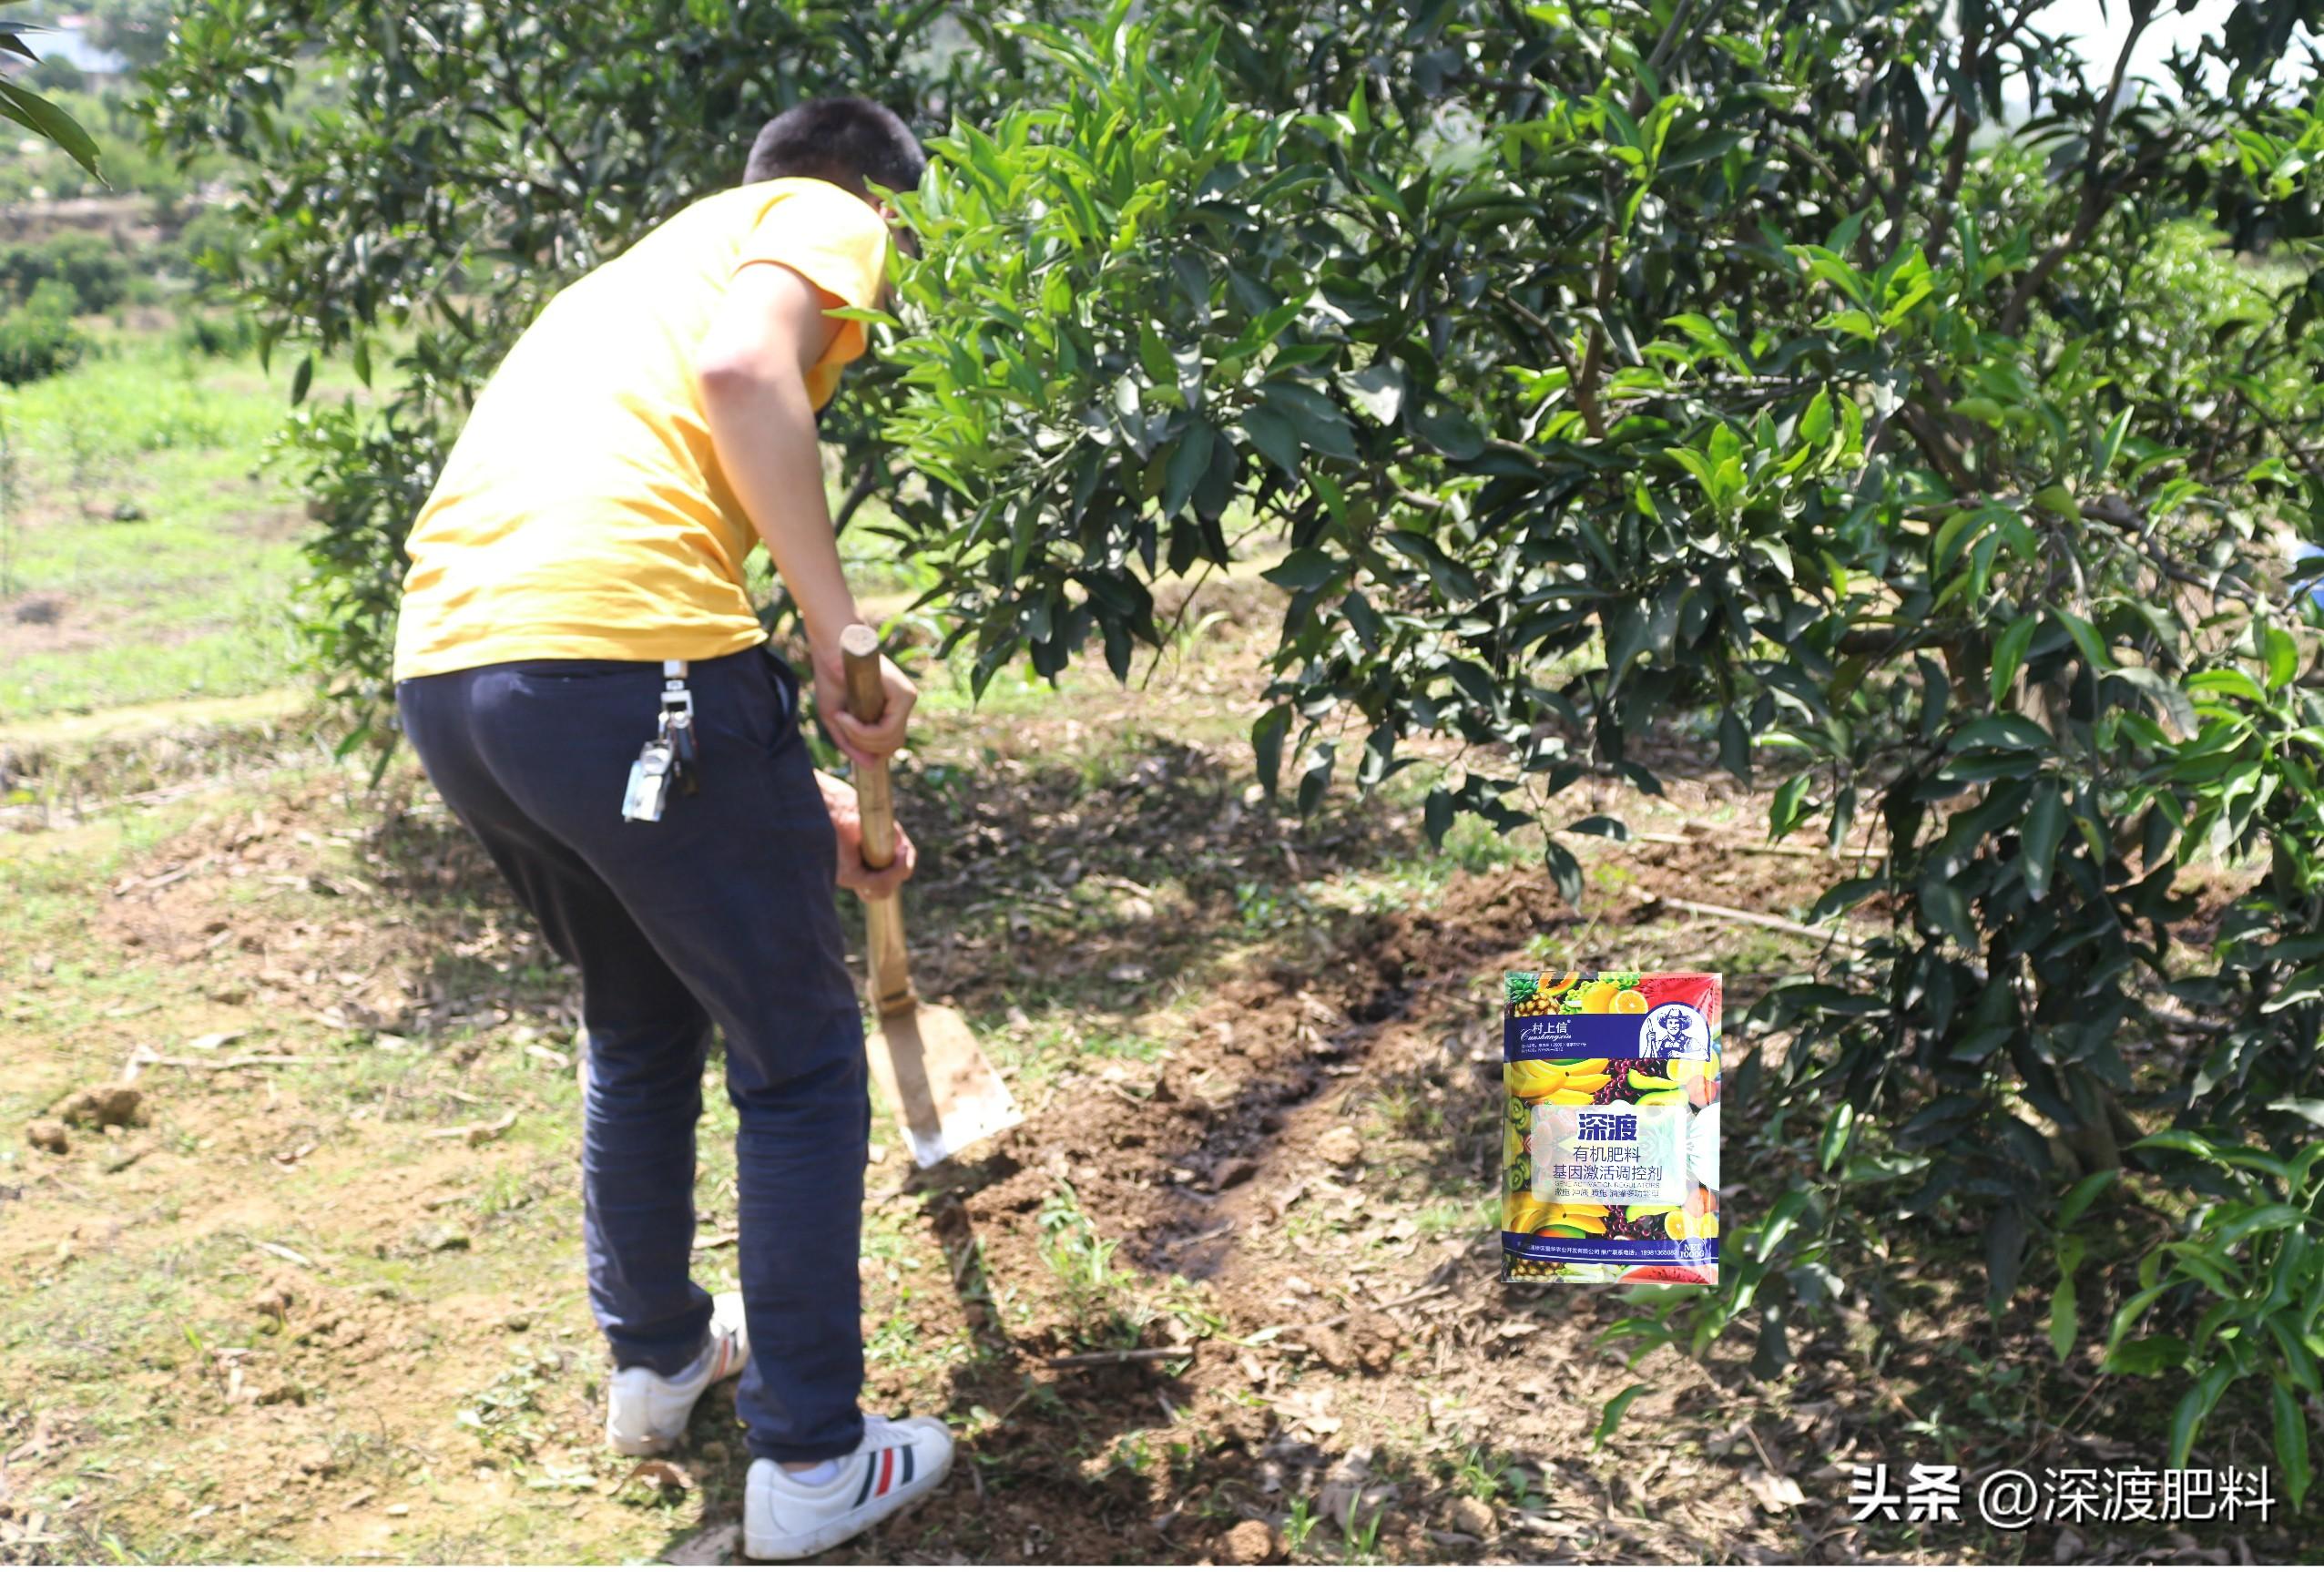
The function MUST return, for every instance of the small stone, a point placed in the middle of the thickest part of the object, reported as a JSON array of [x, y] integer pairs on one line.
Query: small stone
[[443, 1236], [279, 1392], [1251, 1543], [98, 1107], [273, 1302], [1234, 1172], [518, 1320], [48, 1135], [2069, 1545], [1341, 1147], [399, 1510], [1327, 1346], [318, 1463], [1471, 1516]]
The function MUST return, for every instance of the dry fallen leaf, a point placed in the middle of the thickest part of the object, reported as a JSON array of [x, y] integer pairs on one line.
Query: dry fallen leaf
[[1776, 1492], [660, 1471]]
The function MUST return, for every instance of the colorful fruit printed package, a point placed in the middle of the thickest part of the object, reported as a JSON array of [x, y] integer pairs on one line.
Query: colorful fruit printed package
[[1610, 1136]]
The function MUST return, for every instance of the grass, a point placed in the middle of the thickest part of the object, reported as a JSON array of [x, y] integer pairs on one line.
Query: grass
[[143, 524]]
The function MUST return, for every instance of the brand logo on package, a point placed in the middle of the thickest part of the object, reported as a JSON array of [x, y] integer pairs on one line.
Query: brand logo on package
[[1665, 1032], [1675, 1032]]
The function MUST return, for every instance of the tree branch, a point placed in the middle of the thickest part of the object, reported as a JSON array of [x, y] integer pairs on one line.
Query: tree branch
[[2097, 196]]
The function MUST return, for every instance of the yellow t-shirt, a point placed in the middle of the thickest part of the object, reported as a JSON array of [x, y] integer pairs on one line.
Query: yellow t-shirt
[[581, 514]]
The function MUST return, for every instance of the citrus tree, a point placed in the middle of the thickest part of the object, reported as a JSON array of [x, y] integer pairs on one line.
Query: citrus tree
[[1873, 397]]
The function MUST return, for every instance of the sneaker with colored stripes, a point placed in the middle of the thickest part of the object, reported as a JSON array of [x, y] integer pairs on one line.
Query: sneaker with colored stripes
[[898, 1462], [647, 1412]]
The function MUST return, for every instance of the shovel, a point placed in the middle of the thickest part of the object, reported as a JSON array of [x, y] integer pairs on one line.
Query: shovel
[[924, 1056]]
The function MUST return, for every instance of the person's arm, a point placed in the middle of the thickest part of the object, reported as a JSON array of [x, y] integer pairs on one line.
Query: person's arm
[[752, 365]]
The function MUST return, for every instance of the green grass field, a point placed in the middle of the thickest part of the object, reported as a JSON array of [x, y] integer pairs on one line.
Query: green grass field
[[146, 552]]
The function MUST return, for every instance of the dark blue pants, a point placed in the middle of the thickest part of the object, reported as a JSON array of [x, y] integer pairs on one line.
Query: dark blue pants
[[723, 914]]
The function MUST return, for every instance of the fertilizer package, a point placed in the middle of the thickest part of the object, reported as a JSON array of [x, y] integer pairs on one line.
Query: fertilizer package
[[1610, 1133]]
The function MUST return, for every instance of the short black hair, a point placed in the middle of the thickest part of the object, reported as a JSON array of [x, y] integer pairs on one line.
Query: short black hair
[[848, 141]]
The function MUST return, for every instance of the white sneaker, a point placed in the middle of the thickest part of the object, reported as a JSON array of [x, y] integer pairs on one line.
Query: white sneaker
[[647, 1412], [898, 1462]]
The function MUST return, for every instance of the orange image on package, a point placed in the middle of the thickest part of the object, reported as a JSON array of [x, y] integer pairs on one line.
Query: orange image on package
[[1610, 1139]]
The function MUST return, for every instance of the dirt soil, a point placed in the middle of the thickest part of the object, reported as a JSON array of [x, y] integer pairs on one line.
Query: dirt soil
[[325, 1304]]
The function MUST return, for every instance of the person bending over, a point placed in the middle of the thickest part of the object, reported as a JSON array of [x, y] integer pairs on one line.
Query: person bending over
[[583, 679]]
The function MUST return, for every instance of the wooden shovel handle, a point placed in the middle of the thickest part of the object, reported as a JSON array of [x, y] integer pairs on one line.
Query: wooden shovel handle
[[867, 698], [867, 701]]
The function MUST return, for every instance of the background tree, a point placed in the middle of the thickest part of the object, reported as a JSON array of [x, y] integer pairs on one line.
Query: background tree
[[1863, 393]]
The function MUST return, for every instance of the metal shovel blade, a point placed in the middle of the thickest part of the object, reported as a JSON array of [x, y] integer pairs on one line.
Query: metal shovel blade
[[945, 1091]]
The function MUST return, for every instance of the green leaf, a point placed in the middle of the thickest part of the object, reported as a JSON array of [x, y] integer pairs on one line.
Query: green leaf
[[1317, 420], [2291, 1442], [2077, 1200], [1833, 1143], [2086, 639], [2009, 654], [1305, 568], [1610, 1417], [1814, 422], [1446, 429], [2013, 732], [1600, 824], [2310, 1108], [1267, 743], [2186, 1419], [1789, 809], [1734, 745], [2063, 1324], [2176, 705], [1566, 870], [36, 113], [1187, 464], [2058, 500], [2102, 460], [2037, 841], [2283, 656], [1153, 355], [2186, 1142], [2273, 1218], [1436, 816], [1947, 910], [1378, 390], [303, 379], [1272, 434], [2147, 1356], [2227, 679]]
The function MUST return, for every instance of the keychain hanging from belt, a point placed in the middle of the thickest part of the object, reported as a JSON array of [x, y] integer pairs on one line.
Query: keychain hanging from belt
[[672, 756]]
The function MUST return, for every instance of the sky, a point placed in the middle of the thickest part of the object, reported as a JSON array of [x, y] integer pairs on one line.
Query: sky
[[2099, 26]]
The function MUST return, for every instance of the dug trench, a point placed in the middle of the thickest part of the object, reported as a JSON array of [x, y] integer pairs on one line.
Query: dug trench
[[1331, 1351]]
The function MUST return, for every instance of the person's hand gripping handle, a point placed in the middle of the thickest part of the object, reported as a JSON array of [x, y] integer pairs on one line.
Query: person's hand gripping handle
[[883, 918]]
